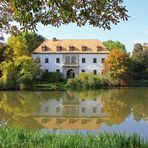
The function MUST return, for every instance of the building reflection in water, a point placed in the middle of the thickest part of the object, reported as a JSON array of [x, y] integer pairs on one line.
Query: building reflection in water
[[71, 112]]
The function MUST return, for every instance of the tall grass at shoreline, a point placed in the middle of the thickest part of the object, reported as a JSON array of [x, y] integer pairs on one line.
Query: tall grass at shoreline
[[11, 137]]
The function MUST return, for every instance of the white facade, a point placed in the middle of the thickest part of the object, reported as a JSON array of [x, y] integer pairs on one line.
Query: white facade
[[87, 62], [71, 57], [82, 108]]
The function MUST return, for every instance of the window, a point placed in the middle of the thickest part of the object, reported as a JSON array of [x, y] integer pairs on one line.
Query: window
[[59, 48], [44, 48], [57, 60], [95, 72], [82, 70], [94, 99], [67, 59], [71, 48], [83, 109], [99, 48], [94, 109], [94, 60], [73, 59], [84, 48], [83, 121], [58, 70], [46, 109], [83, 60], [59, 121], [46, 60], [57, 109], [102, 60]]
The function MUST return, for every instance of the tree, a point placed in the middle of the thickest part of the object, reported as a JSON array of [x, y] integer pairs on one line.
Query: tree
[[140, 61], [25, 43], [6, 54], [137, 52], [117, 65], [33, 40], [19, 45], [145, 46], [145, 61], [19, 74], [2, 50], [100, 13], [110, 45]]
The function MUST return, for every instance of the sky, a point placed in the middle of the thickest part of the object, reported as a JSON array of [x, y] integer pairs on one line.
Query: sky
[[135, 30]]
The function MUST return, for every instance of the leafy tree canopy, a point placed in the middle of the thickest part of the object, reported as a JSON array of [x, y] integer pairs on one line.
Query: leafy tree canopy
[[110, 45], [117, 65], [137, 54], [140, 61], [27, 13], [25, 43], [6, 53], [19, 73], [145, 46]]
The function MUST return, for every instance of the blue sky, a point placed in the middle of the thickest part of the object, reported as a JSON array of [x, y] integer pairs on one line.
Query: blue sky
[[128, 32]]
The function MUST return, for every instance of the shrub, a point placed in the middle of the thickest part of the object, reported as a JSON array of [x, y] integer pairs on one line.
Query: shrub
[[83, 76], [19, 74], [52, 77], [71, 82], [87, 81]]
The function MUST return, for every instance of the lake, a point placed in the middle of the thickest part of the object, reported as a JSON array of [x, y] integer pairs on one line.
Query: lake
[[111, 110]]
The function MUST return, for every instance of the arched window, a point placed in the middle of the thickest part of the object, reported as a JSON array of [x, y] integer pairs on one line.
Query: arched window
[[73, 59], [67, 59]]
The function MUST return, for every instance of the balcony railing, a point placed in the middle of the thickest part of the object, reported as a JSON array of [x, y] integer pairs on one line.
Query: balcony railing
[[70, 64]]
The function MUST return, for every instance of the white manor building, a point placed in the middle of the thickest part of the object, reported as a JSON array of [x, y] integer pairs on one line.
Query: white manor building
[[71, 57]]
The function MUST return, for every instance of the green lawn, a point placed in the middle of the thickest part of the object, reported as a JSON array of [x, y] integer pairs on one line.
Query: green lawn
[[49, 86]]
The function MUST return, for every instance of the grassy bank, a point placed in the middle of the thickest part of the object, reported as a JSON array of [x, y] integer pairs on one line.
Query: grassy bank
[[49, 86], [139, 83], [10, 137], [63, 85]]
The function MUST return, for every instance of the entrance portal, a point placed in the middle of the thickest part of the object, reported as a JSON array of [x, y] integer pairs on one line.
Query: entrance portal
[[70, 73]]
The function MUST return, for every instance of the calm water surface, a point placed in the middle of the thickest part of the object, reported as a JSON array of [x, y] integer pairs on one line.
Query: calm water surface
[[110, 110]]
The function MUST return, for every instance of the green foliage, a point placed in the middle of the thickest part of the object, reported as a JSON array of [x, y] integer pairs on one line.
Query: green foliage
[[110, 45], [19, 45], [83, 76], [25, 43], [52, 77], [20, 138], [137, 55], [117, 65], [9, 76], [87, 81], [49, 86], [33, 40], [20, 73], [6, 53], [29, 13], [140, 62]]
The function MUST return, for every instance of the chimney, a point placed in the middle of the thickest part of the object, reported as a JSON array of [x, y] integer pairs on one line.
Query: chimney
[[54, 39]]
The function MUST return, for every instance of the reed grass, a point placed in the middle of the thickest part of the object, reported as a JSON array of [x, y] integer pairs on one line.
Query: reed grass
[[19, 138]]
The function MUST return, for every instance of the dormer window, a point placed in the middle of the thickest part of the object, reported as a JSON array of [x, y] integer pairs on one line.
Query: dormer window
[[99, 48], [71, 48], [44, 48], [84, 48], [59, 48]]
